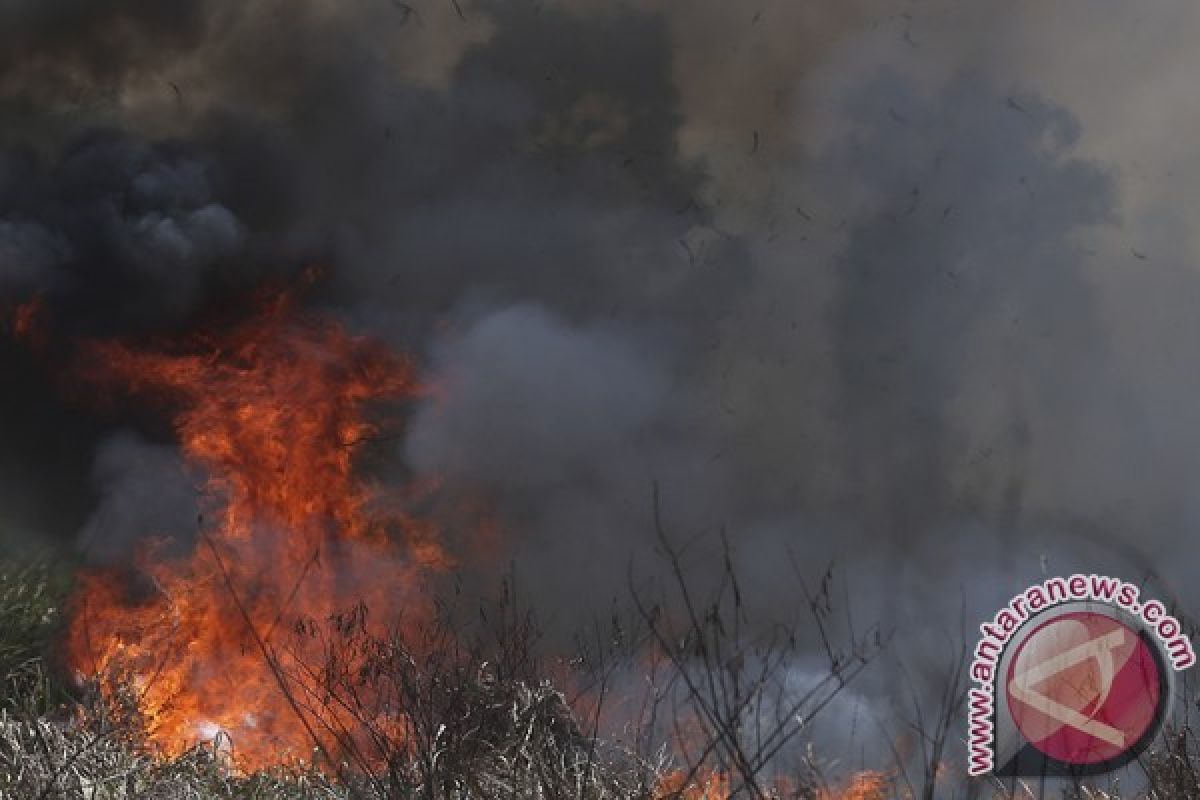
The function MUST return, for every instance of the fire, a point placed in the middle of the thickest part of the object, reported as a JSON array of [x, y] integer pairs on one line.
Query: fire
[[25, 317], [704, 785], [272, 412], [865, 785], [717, 785], [24, 321]]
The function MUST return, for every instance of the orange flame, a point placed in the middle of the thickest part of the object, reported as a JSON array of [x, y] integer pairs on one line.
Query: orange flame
[[717, 785], [865, 785], [25, 321], [272, 411], [704, 785]]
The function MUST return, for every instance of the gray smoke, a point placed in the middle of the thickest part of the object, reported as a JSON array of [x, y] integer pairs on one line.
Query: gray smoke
[[30, 254], [148, 497]]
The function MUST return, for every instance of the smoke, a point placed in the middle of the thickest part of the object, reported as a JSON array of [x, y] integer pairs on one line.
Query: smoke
[[568, 396], [566, 428], [147, 497], [120, 231], [30, 254], [896, 290]]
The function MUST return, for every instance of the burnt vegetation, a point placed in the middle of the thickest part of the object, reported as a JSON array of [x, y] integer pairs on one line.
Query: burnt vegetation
[[451, 711], [448, 710]]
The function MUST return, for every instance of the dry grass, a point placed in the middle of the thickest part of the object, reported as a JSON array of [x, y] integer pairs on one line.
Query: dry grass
[[483, 725], [479, 730]]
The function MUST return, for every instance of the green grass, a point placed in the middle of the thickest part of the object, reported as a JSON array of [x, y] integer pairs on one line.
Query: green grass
[[31, 599]]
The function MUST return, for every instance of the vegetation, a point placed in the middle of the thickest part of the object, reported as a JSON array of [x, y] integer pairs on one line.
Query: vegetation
[[482, 724]]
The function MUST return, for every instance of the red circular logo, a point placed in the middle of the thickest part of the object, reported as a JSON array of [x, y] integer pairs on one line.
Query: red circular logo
[[1084, 688]]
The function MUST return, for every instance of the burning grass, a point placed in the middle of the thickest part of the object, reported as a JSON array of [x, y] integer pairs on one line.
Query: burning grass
[[474, 727], [296, 642], [477, 727], [296, 649], [495, 738], [271, 411]]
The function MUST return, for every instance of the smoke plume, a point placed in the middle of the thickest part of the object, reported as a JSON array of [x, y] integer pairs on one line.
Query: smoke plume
[[893, 290]]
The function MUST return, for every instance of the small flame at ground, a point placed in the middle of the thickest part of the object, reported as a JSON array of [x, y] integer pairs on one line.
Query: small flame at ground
[[705, 785], [865, 785], [716, 785]]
